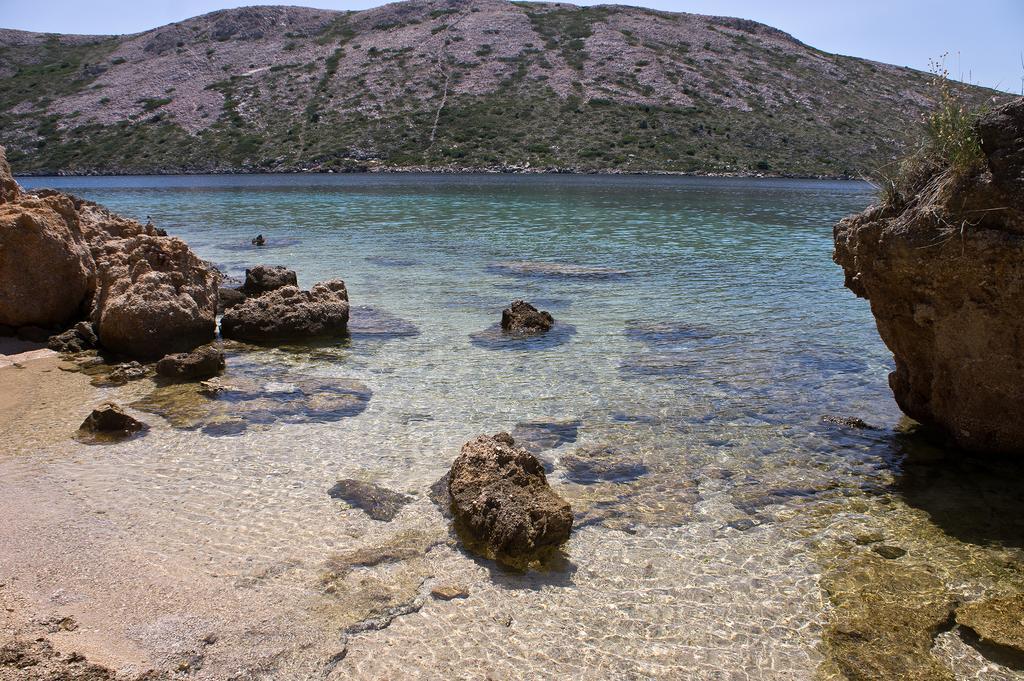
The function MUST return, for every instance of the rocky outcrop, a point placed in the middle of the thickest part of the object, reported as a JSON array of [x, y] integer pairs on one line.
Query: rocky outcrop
[[998, 621], [522, 318], [944, 274], [501, 497], [63, 258], [154, 296], [203, 362], [287, 313], [46, 270]]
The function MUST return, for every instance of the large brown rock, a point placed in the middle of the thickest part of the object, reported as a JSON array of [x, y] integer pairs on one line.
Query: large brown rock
[[287, 313], [500, 495], [944, 274], [154, 296], [46, 269]]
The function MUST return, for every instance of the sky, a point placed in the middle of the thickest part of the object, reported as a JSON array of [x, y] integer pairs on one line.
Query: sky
[[984, 39]]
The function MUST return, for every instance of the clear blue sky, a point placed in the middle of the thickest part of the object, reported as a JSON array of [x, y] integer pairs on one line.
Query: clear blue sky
[[984, 38]]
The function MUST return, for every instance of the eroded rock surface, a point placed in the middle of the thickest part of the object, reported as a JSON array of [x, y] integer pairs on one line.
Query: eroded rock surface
[[944, 273], [501, 497], [287, 313], [47, 272]]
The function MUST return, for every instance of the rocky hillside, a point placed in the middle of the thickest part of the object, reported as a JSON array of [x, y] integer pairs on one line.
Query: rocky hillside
[[453, 84]]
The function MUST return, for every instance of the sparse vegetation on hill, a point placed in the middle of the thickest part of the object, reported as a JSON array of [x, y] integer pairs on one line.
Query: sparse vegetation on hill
[[453, 84]]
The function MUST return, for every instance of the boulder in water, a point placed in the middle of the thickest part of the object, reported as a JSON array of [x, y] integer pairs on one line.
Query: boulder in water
[[108, 423], [287, 313], [522, 318], [501, 497]]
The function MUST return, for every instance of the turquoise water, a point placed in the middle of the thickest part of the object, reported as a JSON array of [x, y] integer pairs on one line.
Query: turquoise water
[[705, 332]]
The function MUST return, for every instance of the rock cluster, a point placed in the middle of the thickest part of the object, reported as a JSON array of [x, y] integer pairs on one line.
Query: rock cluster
[[287, 313], [944, 273], [500, 495], [63, 259]]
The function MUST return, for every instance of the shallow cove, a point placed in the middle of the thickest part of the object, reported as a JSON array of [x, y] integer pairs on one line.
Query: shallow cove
[[711, 363]]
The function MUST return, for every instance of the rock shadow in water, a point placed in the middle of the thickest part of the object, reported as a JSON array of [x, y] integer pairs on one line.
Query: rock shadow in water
[[537, 436], [366, 322], [389, 261], [380, 503], [973, 498], [495, 338]]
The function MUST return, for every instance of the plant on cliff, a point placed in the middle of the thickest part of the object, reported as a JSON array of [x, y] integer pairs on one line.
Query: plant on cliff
[[950, 142]]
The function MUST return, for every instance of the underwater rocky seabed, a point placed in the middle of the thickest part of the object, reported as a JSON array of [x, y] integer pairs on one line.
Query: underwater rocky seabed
[[723, 528]]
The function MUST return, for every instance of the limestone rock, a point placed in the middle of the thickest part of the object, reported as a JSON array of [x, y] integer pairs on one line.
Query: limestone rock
[[944, 274], [290, 314], [204, 362], [46, 269], [501, 497], [154, 296], [9, 190]]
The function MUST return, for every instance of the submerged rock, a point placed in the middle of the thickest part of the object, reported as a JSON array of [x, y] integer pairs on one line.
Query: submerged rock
[[367, 321], [496, 338], [228, 406], [203, 362], [884, 620], [108, 423], [522, 318], [263, 278], [944, 273], [501, 497], [536, 436], [998, 621], [525, 268], [287, 313], [380, 503], [588, 465]]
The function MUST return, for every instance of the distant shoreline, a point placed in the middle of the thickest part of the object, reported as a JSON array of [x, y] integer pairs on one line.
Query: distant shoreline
[[409, 170]]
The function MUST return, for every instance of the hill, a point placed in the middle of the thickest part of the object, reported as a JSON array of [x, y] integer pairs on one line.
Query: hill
[[481, 84]]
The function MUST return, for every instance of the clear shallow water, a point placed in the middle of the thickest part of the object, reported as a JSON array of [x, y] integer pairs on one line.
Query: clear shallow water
[[719, 337]]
